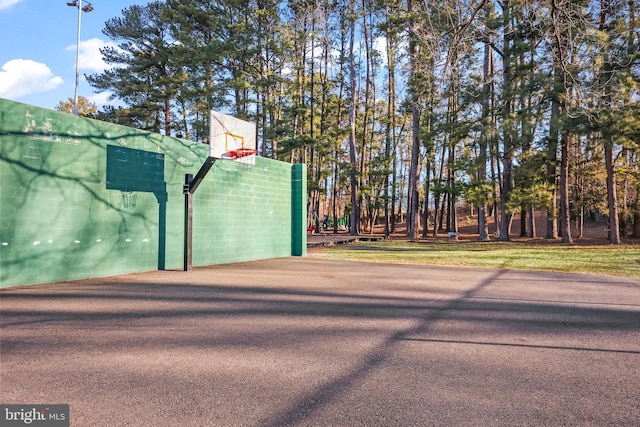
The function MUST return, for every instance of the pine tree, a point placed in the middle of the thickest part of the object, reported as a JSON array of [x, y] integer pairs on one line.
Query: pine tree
[[142, 74]]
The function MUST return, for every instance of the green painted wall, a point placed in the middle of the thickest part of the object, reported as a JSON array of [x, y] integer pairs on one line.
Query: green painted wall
[[82, 198]]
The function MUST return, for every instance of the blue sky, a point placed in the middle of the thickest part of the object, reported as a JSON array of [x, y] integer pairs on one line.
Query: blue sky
[[38, 49]]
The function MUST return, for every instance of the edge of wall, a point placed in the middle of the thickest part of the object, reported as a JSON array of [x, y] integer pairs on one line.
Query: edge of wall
[[299, 210]]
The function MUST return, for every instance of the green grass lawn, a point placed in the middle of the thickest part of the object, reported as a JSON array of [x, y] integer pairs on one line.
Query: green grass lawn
[[622, 260]]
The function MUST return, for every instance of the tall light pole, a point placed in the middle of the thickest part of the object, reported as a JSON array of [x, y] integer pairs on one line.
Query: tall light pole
[[88, 8]]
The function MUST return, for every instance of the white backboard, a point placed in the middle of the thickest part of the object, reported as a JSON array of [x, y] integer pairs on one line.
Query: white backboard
[[230, 137]]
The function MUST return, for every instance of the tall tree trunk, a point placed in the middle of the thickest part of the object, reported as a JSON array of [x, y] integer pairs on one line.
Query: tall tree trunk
[[496, 177], [167, 117], [452, 218], [354, 223], [551, 162], [337, 141], [394, 186], [531, 219], [561, 61], [507, 156], [425, 213], [524, 219], [564, 191], [390, 130], [414, 173], [607, 139], [636, 218], [438, 209], [612, 198], [487, 71]]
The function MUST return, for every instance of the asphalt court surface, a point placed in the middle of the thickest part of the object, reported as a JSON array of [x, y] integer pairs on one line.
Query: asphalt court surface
[[312, 342]]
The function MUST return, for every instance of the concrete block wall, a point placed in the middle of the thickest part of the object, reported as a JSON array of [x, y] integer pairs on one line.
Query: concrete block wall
[[82, 198]]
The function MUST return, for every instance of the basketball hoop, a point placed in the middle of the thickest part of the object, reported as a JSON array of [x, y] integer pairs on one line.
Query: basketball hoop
[[129, 199], [242, 152]]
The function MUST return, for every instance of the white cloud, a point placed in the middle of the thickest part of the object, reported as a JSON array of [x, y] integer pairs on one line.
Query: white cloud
[[6, 4], [21, 77], [90, 56], [380, 44], [100, 99]]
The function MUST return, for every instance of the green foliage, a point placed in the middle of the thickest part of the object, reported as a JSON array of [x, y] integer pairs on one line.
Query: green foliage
[[494, 89], [538, 196], [142, 73], [86, 108], [479, 193]]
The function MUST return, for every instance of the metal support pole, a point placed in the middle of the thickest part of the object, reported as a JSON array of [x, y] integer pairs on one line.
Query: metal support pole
[[75, 96], [188, 222], [88, 8], [191, 184]]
